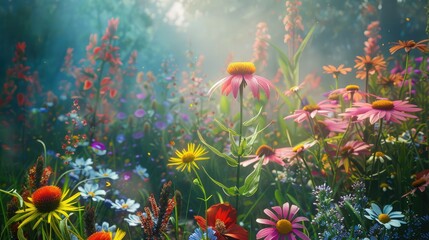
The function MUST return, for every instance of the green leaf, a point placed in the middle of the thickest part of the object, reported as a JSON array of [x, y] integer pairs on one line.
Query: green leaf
[[64, 229], [21, 234], [226, 129], [292, 199], [231, 161], [251, 183], [241, 149], [230, 191], [224, 105], [303, 45], [279, 197], [253, 119]]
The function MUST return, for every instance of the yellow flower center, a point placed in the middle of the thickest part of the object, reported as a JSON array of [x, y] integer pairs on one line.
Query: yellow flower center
[[384, 186], [124, 206], [352, 88], [283, 226], [311, 108], [220, 226], [383, 105], [241, 68], [419, 182], [384, 218], [264, 150], [188, 157], [298, 148], [47, 199], [379, 154], [92, 194]]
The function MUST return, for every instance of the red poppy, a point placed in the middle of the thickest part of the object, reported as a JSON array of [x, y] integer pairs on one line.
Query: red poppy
[[222, 218]]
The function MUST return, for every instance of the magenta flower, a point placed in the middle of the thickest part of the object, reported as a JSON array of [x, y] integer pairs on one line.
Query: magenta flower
[[391, 111], [269, 154], [420, 184], [283, 223], [323, 108], [242, 73], [350, 149]]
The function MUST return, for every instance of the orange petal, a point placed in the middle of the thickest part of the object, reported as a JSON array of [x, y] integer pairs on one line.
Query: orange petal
[[105, 81], [87, 85], [113, 93]]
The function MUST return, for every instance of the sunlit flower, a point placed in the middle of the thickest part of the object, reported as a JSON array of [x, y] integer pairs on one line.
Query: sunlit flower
[[198, 234], [323, 108], [106, 173], [118, 235], [369, 64], [390, 111], [349, 92], [420, 184], [222, 217], [283, 223], [129, 205], [92, 190], [242, 73], [410, 45], [295, 153], [336, 71], [378, 157], [394, 79], [295, 89], [188, 157], [46, 203], [386, 217], [269, 154]]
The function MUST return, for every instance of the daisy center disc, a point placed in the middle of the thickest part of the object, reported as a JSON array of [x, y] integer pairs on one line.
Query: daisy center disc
[[379, 154], [241, 68], [298, 148], [352, 87], [47, 199], [264, 150], [383, 105], [188, 157], [283, 226], [311, 108], [384, 218]]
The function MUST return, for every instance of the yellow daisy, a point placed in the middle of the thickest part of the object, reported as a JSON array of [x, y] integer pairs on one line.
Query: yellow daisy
[[187, 157], [119, 235], [47, 202]]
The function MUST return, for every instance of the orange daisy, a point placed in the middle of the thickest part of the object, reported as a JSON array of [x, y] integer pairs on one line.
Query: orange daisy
[[410, 45], [335, 71], [369, 64]]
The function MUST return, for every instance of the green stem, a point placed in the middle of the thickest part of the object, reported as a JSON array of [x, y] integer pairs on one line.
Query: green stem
[[366, 83], [203, 191], [97, 99], [240, 133]]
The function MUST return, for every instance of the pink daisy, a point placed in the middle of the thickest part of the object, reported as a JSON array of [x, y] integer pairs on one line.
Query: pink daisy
[[350, 91], [323, 108], [394, 111], [350, 149], [269, 154], [292, 153], [242, 73], [283, 223]]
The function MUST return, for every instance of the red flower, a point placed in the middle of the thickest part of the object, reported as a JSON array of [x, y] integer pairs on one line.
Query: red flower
[[87, 85], [222, 218]]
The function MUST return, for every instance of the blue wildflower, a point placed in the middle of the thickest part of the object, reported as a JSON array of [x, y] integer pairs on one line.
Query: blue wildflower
[[199, 235], [385, 217]]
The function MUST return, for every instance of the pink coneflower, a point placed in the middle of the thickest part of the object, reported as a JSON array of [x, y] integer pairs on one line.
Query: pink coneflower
[[283, 223], [391, 111], [349, 92], [291, 153], [350, 149], [323, 108], [242, 73], [269, 154]]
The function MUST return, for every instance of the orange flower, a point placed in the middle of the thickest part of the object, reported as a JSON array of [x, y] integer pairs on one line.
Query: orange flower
[[410, 45], [329, 69], [369, 64], [87, 85]]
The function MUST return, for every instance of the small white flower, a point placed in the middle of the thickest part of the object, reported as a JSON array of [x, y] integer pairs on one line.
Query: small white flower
[[141, 171], [133, 220], [386, 217], [106, 173], [82, 167], [129, 205], [93, 191]]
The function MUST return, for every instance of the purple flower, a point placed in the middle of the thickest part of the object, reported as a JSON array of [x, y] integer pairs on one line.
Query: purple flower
[[121, 115], [139, 113], [98, 148], [138, 135]]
